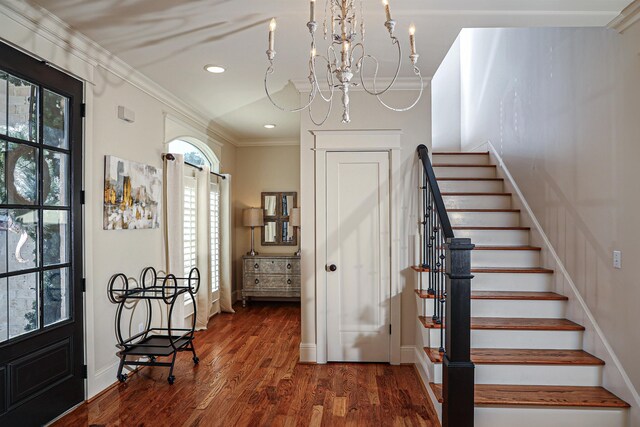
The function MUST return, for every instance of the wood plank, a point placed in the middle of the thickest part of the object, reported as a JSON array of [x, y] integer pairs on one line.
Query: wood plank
[[507, 248], [492, 228], [534, 270], [510, 356], [476, 194], [483, 210], [462, 178], [533, 395], [462, 165], [513, 323], [461, 153], [249, 375], [505, 295]]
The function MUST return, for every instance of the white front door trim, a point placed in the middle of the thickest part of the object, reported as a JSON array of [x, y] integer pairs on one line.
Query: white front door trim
[[388, 140]]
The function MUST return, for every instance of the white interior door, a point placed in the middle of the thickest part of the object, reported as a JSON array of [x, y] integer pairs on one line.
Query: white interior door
[[358, 246]]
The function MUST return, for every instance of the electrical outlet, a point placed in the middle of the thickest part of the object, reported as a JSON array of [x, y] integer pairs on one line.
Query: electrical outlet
[[617, 259]]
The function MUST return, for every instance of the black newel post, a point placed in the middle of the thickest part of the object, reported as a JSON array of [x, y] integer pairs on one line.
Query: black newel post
[[458, 370]]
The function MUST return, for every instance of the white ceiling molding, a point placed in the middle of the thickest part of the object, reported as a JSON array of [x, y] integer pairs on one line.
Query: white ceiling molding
[[273, 142], [402, 83], [629, 16], [44, 24]]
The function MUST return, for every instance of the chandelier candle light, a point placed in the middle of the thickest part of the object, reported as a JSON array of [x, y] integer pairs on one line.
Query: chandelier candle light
[[350, 39]]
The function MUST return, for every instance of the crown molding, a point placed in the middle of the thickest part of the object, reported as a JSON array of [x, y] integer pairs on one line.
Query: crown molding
[[268, 142], [48, 26], [629, 16], [402, 83]]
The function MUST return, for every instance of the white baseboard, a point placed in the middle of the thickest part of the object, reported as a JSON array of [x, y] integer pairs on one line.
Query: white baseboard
[[308, 353], [102, 379], [628, 392], [408, 354]]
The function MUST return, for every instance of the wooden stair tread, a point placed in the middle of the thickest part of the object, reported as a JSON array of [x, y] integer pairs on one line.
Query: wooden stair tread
[[505, 295], [476, 194], [473, 153], [507, 248], [462, 178], [513, 323], [522, 270], [460, 165], [509, 356], [483, 210], [491, 228], [541, 395]]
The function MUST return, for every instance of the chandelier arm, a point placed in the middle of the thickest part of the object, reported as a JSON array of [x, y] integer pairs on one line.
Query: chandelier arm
[[326, 116], [360, 66], [316, 82], [400, 110], [295, 110]]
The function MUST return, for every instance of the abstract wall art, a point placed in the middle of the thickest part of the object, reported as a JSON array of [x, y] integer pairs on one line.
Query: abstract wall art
[[132, 195]]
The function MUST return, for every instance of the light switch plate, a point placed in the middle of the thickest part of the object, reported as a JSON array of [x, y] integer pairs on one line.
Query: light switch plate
[[617, 259]]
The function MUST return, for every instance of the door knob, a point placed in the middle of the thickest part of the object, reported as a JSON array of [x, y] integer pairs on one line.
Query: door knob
[[333, 267]]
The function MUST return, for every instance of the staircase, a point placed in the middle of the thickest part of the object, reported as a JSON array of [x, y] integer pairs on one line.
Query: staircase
[[530, 369]]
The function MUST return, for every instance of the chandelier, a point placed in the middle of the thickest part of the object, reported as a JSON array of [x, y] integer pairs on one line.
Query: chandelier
[[344, 29]]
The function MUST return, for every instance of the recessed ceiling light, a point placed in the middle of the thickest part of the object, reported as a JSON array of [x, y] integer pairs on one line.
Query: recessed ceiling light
[[269, 126], [216, 69]]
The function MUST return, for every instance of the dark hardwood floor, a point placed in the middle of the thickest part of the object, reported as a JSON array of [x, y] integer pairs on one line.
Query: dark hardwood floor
[[249, 375]]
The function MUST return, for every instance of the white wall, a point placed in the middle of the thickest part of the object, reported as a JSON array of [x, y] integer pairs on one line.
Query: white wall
[[445, 102], [561, 107], [109, 252], [366, 113]]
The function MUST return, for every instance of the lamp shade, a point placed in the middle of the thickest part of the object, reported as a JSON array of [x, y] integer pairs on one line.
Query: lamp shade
[[252, 217], [294, 218]]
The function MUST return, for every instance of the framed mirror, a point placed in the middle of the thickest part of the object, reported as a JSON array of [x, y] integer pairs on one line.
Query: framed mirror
[[277, 230]]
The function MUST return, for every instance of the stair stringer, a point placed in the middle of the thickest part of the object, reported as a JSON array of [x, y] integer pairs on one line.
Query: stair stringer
[[615, 378]]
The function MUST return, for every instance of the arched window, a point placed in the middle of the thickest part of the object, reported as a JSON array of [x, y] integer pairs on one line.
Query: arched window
[[195, 152], [198, 153]]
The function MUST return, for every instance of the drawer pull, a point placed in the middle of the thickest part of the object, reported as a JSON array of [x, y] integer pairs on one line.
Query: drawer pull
[[288, 266], [288, 281], [256, 265], [257, 281]]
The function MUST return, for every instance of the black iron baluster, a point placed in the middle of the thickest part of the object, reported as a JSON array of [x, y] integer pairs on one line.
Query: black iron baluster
[[447, 260]]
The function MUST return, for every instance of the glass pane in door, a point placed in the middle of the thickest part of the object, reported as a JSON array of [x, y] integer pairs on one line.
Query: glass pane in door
[[22, 239], [55, 240], [23, 304], [23, 109], [22, 174], [55, 124], [56, 296], [3, 104], [4, 310], [56, 178]]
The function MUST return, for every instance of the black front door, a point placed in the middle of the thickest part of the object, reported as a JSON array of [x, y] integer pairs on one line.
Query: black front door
[[41, 338]]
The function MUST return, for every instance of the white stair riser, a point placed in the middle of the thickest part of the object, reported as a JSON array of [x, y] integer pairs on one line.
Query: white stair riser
[[470, 186], [522, 339], [565, 375], [496, 237], [548, 416], [460, 159], [484, 219], [477, 202], [509, 308], [522, 282], [464, 172], [505, 258]]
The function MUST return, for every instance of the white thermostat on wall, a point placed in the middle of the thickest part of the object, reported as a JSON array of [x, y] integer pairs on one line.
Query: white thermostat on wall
[[125, 114]]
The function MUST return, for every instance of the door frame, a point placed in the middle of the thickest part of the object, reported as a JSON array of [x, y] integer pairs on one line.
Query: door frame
[[386, 140]]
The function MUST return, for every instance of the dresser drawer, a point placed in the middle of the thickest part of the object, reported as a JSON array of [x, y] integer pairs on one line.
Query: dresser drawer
[[271, 266], [269, 281]]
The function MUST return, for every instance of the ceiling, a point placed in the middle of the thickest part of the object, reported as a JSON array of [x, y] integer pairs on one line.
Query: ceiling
[[172, 40]]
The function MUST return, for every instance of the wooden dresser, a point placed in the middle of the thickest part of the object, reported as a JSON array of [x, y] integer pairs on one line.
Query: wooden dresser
[[270, 276]]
